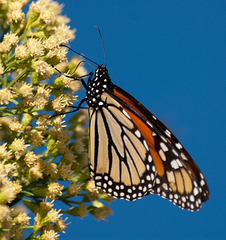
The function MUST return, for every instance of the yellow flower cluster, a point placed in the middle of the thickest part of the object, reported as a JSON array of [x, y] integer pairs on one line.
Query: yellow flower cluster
[[43, 159]]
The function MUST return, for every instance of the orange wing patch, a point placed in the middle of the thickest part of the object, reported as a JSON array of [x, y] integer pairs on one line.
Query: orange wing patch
[[146, 132]]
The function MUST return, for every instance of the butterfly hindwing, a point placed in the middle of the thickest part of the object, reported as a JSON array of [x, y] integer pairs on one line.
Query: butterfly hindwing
[[120, 160]]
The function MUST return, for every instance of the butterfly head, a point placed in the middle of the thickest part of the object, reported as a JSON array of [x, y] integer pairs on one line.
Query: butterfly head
[[100, 83]]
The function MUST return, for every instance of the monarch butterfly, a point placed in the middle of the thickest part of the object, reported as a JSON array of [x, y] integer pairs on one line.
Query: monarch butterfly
[[132, 153]]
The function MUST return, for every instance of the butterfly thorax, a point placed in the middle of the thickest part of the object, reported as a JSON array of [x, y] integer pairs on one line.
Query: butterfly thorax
[[99, 84]]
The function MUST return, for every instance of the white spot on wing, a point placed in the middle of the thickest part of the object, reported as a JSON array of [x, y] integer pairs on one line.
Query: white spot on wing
[[164, 147], [174, 164], [178, 145], [162, 155], [168, 133], [164, 185], [138, 134], [145, 144], [179, 163], [100, 103], [125, 113], [195, 191], [202, 182], [149, 158], [149, 124]]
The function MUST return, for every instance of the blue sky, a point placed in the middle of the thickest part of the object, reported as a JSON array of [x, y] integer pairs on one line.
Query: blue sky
[[170, 56]]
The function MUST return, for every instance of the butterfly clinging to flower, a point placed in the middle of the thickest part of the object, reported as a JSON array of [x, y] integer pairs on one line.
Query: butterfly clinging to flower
[[132, 153]]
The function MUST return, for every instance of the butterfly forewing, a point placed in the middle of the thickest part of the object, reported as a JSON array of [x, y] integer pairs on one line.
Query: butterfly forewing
[[178, 177]]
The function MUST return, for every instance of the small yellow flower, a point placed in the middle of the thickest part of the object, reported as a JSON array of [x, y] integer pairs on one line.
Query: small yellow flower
[[15, 125], [58, 122], [35, 47], [69, 155], [31, 158], [15, 12], [22, 52], [26, 89], [64, 135], [43, 122], [47, 16], [62, 35], [92, 193], [23, 88], [50, 235], [19, 146], [5, 47], [17, 187], [62, 147], [4, 154], [65, 81], [82, 211], [65, 171], [37, 138], [102, 213], [51, 169], [60, 224], [44, 69], [74, 188], [62, 20], [23, 219], [59, 52], [7, 169], [8, 190], [42, 97], [54, 189], [11, 38], [75, 86], [36, 172], [79, 145], [16, 232], [63, 101], [54, 215], [5, 96], [46, 206], [5, 216]]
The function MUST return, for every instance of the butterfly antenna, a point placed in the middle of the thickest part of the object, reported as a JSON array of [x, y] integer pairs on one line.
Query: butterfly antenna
[[80, 54], [102, 45]]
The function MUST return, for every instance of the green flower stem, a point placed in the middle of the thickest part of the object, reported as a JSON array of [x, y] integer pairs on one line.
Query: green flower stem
[[11, 57], [17, 77], [5, 81], [9, 66], [28, 227], [14, 101]]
